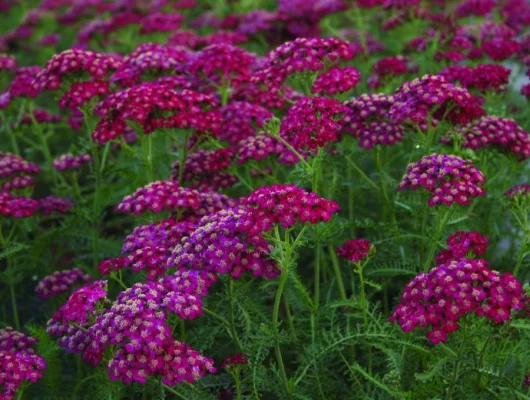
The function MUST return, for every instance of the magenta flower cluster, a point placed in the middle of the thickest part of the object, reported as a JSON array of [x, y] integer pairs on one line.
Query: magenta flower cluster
[[354, 250], [70, 162], [463, 245], [60, 282]]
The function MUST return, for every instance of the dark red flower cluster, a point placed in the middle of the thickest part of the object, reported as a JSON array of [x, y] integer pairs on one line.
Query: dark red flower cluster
[[154, 106], [448, 292], [231, 362], [262, 146], [312, 122], [354, 250], [285, 205], [500, 49], [474, 7], [336, 80], [483, 77], [161, 22], [61, 282], [82, 92], [16, 206], [463, 245], [496, 131], [389, 67], [20, 86], [449, 179], [12, 165], [74, 61], [19, 362], [415, 101], [366, 118]]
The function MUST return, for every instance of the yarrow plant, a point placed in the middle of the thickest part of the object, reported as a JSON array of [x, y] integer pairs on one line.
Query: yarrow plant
[[300, 199]]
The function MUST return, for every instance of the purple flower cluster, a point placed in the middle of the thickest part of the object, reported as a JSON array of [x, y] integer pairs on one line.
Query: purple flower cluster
[[12, 166], [262, 146], [16, 206], [81, 304], [61, 282], [433, 96], [448, 292], [449, 179], [161, 22], [19, 363], [483, 77], [203, 164], [463, 245], [240, 120], [312, 122], [354, 250], [70, 162], [336, 80], [366, 118], [522, 189], [20, 86], [51, 204], [496, 131]]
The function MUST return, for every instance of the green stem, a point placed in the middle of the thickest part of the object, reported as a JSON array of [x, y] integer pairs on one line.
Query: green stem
[[441, 222], [183, 155], [147, 152], [232, 319], [171, 390], [14, 305], [336, 269], [275, 313], [360, 171], [293, 150]]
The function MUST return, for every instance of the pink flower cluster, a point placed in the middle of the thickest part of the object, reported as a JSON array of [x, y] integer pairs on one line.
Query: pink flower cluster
[[354, 250], [366, 118], [416, 100], [449, 179], [20, 86], [285, 205], [240, 120], [161, 22], [450, 291], [12, 165], [312, 122], [7, 62], [74, 61], [483, 77], [70, 162], [61, 282], [19, 363], [260, 147], [81, 93], [16, 206], [231, 362], [51, 204], [463, 245], [154, 106], [203, 164], [496, 131]]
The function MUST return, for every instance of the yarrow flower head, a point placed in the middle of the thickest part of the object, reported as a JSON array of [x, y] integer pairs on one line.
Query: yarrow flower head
[[70, 162], [240, 120], [285, 205], [154, 106], [74, 61], [312, 123], [522, 189], [80, 93], [16, 206], [81, 303], [336, 80], [500, 132], [366, 118], [483, 77], [51, 204], [414, 101], [354, 250], [450, 291], [21, 85], [19, 362], [262, 146], [7, 62], [233, 361], [449, 179], [203, 164], [463, 245], [61, 282], [160, 22]]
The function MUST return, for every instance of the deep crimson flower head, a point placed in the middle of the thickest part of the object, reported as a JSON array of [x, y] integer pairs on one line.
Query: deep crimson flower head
[[51, 204], [303, 55], [81, 303], [285, 205], [450, 291], [7, 62], [474, 7], [500, 49], [232, 361], [483, 77], [500, 132], [394, 65], [220, 244], [154, 106], [151, 58], [21, 85], [336, 80], [17, 207], [82, 92], [522, 189], [263, 146], [354, 250], [415, 100], [61, 282], [221, 63], [312, 122], [525, 90], [70, 162], [449, 179], [463, 245], [160, 22], [240, 120], [97, 66], [19, 362], [366, 119], [203, 163]]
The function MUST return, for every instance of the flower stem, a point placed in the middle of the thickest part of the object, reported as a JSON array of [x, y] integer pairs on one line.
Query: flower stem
[[232, 319], [183, 155], [14, 304], [336, 269], [441, 222], [275, 312]]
